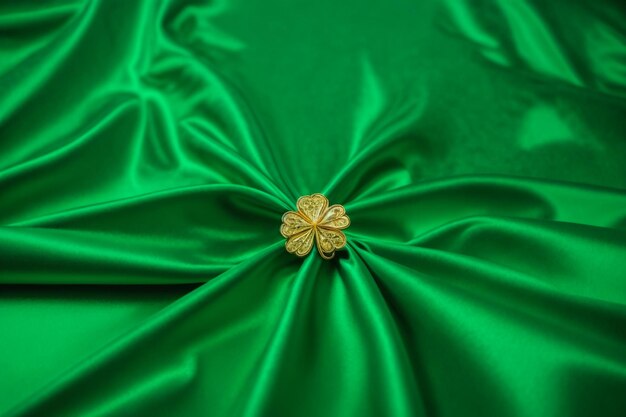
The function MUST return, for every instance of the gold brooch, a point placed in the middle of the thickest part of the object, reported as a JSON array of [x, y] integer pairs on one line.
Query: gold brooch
[[315, 219]]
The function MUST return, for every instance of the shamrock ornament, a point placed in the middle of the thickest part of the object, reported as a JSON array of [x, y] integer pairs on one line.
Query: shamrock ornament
[[315, 220]]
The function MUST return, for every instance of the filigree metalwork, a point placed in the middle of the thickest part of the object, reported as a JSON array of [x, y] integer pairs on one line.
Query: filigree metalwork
[[315, 220]]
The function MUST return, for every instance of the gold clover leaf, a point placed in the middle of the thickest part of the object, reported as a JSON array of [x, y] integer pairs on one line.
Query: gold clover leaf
[[315, 220]]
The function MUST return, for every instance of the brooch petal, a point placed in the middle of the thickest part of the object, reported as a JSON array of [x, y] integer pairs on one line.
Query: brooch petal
[[329, 240], [335, 217], [293, 223], [301, 243], [312, 206]]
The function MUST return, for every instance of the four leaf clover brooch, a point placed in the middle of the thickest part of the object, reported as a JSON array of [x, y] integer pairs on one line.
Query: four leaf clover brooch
[[315, 220]]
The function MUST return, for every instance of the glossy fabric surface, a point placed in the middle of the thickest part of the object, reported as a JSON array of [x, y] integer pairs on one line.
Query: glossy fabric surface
[[149, 149]]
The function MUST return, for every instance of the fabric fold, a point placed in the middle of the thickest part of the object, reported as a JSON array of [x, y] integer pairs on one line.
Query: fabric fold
[[478, 317], [205, 317], [406, 213], [143, 240]]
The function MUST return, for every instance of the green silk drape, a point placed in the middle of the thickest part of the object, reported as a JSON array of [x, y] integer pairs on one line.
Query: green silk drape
[[148, 150]]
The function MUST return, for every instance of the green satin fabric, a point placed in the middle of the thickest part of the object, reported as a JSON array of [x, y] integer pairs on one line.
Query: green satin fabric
[[149, 149]]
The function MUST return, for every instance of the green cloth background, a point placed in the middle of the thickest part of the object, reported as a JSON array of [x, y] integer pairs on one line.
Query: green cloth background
[[149, 148]]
